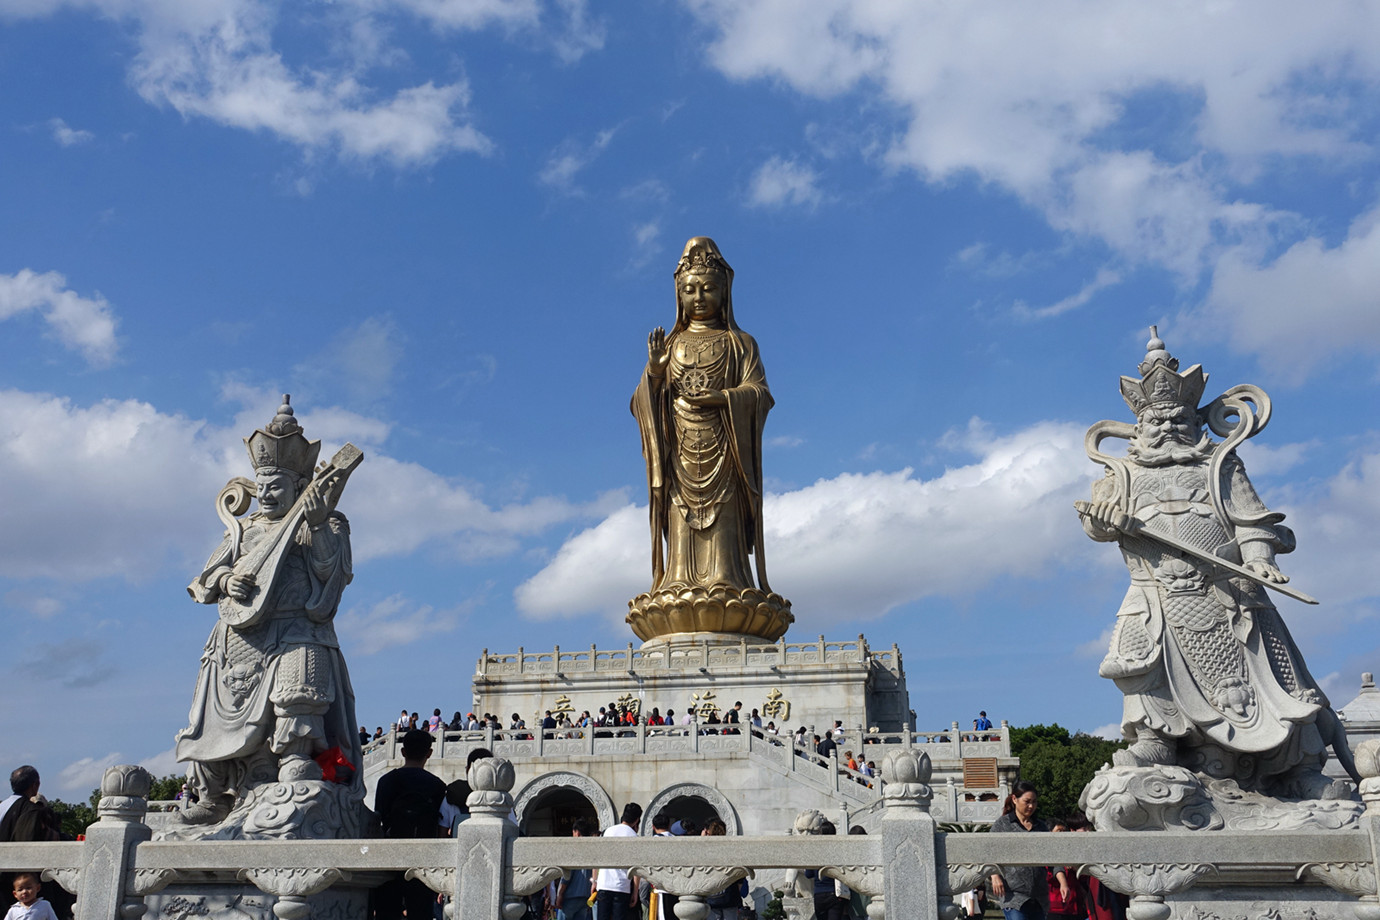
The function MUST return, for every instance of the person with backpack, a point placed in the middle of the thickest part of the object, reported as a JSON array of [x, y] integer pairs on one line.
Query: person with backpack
[[408, 804]]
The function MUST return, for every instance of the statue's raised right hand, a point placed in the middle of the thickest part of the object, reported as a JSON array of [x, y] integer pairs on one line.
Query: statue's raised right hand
[[658, 355]]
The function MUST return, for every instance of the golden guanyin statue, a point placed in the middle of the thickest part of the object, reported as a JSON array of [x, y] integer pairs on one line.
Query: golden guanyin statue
[[701, 405]]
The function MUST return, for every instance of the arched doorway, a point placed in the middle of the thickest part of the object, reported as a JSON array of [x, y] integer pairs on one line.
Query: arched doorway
[[695, 801], [548, 805], [553, 813]]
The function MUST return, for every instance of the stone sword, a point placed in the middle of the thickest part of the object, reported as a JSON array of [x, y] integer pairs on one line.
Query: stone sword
[[1138, 529]]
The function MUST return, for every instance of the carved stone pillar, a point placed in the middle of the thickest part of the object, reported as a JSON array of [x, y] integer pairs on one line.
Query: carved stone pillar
[[482, 842], [908, 837], [108, 856], [1368, 765]]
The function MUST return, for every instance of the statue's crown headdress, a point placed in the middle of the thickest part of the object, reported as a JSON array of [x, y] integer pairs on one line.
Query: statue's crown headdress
[[702, 256], [1160, 382], [281, 445]]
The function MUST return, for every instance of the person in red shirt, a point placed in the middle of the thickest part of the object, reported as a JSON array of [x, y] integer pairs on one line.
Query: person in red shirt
[[1061, 905]]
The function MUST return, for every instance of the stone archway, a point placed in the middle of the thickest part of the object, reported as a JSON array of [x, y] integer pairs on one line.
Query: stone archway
[[564, 781], [712, 797]]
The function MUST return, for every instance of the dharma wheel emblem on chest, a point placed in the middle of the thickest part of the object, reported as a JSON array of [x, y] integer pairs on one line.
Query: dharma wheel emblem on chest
[[695, 382]]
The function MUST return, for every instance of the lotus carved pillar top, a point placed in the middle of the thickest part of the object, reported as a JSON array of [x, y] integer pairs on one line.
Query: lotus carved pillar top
[[700, 406]]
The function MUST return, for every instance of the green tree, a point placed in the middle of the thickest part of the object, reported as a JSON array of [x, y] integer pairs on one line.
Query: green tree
[[166, 788], [1059, 764], [75, 818], [1022, 738]]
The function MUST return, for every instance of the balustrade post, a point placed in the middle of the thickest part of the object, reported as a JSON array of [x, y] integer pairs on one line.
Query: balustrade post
[[1368, 765], [489, 736], [641, 735], [908, 852], [959, 740], [108, 854], [906, 738], [522, 659], [834, 768], [481, 853]]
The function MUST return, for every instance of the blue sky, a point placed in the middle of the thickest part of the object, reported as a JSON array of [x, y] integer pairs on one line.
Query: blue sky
[[446, 227]]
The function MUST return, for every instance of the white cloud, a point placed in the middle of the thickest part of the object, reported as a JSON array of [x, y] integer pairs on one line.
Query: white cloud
[[1106, 277], [780, 182], [1111, 731], [78, 778], [1041, 101], [1336, 536], [163, 763], [1095, 649], [571, 156], [119, 488], [86, 773], [216, 59], [598, 570], [38, 605], [393, 621], [646, 235], [85, 324], [1266, 460], [66, 136], [1310, 304], [564, 25], [108, 489], [863, 543], [358, 361]]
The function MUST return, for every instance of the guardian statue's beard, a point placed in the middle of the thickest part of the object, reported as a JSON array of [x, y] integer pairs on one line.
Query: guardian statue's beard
[[1169, 451]]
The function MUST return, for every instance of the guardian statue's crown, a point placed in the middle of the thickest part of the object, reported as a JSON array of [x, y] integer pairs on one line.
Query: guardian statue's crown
[[1160, 384], [280, 445]]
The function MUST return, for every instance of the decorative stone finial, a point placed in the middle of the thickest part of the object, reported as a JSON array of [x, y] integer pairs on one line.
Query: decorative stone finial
[[284, 422], [124, 793], [1367, 680], [1155, 353], [490, 779], [906, 774]]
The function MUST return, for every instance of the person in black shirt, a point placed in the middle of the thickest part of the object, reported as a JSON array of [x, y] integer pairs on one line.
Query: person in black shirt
[[408, 803]]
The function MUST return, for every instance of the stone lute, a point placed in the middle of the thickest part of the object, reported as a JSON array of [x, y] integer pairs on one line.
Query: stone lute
[[1138, 529], [266, 558]]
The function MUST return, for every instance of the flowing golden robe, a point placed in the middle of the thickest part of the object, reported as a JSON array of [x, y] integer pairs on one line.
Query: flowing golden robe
[[704, 465]]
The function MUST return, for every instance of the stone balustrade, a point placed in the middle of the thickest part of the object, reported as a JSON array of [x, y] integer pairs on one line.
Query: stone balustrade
[[909, 869], [687, 657]]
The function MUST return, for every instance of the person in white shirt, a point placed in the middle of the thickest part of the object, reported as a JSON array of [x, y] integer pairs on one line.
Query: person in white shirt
[[28, 905], [617, 893]]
